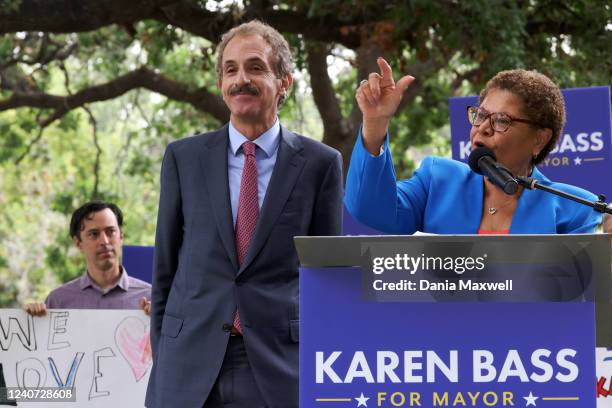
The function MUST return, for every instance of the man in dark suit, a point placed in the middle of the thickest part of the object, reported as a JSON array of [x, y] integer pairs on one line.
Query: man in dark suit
[[225, 300]]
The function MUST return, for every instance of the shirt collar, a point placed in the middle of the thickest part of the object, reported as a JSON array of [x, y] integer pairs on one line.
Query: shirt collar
[[123, 282], [267, 141]]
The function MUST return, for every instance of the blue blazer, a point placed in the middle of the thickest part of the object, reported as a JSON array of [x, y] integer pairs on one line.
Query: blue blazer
[[445, 197], [197, 282]]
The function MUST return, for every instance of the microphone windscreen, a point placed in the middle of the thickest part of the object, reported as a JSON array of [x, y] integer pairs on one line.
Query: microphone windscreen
[[478, 154]]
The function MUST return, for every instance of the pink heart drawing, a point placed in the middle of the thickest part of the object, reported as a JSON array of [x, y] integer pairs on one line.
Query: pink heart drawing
[[134, 343]]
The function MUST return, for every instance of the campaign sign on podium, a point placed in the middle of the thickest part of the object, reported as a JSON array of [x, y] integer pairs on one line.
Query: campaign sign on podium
[[450, 321]]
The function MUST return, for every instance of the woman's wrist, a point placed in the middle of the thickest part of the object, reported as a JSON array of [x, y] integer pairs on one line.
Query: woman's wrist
[[373, 134]]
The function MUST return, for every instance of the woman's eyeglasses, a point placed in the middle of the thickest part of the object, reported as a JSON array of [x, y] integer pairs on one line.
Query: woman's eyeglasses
[[499, 121]]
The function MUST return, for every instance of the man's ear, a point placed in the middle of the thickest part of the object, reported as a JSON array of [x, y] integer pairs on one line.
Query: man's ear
[[543, 136], [286, 83], [77, 242]]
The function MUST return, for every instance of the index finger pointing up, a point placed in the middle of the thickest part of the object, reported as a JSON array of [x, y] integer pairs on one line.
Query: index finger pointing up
[[385, 69]]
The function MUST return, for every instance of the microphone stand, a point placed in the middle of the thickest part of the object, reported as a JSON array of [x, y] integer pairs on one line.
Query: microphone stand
[[600, 205]]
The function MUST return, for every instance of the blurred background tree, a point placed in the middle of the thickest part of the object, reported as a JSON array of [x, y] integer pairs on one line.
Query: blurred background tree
[[91, 92]]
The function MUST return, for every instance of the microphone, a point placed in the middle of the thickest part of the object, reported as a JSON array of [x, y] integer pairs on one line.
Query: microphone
[[482, 161]]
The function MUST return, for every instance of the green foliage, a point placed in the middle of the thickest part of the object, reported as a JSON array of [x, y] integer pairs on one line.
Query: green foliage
[[61, 259], [16, 133], [9, 6]]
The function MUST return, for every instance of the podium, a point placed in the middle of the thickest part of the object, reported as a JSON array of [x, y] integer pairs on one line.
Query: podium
[[450, 321]]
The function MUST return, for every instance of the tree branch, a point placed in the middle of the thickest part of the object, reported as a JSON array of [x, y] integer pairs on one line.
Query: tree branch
[[211, 25], [324, 93], [201, 99], [96, 169], [69, 16]]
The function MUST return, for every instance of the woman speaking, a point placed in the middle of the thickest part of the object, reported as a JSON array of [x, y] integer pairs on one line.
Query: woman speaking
[[519, 117]]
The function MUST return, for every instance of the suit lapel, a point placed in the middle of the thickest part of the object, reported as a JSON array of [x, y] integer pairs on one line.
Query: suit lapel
[[214, 167], [288, 166]]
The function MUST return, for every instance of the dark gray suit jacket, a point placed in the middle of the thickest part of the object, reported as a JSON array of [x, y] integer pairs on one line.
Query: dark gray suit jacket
[[197, 283]]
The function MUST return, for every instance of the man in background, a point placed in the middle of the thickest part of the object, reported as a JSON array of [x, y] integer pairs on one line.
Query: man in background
[[95, 229]]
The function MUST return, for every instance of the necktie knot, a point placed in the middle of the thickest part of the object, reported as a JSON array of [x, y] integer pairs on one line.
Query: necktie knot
[[249, 148]]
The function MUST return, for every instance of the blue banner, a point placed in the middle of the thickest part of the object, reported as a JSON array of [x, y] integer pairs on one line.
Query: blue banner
[[138, 261]]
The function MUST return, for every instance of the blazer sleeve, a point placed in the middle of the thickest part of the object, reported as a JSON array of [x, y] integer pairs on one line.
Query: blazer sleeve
[[584, 223], [376, 199], [168, 241], [327, 214]]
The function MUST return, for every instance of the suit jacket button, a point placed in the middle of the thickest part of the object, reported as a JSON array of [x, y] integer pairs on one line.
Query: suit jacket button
[[227, 327]]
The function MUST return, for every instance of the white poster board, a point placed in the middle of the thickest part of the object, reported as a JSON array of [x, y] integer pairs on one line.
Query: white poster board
[[104, 355]]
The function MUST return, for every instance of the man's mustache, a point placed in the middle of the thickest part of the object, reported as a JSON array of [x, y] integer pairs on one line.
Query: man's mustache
[[246, 88]]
